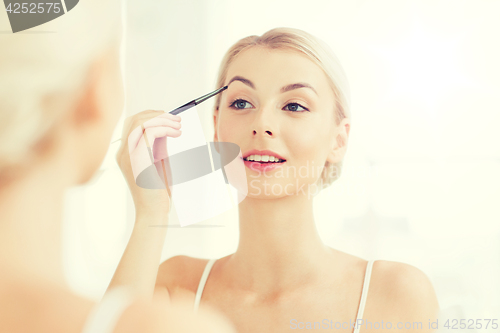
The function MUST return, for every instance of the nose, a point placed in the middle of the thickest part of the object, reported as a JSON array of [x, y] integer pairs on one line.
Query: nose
[[263, 121], [267, 132]]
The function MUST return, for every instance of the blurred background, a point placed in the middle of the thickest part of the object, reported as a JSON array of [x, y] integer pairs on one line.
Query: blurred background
[[420, 182]]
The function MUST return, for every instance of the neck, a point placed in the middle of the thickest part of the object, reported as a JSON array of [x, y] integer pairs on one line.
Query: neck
[[30, 227], [279, 245]]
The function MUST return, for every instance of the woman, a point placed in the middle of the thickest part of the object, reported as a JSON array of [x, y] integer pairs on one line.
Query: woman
[[60, 99], [287, 97]]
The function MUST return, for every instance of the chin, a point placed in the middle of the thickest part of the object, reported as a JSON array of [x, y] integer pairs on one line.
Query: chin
[[94, 177], [90, 174]]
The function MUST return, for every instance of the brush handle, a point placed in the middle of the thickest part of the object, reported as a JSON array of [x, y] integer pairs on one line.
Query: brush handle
[[194, 102]]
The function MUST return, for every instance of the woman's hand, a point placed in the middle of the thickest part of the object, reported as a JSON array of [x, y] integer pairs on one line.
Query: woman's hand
[[133, 157]]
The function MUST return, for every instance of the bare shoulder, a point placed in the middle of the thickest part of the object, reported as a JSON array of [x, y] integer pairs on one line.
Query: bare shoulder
[[160, 316], [180, 271], [403, 291], [31, 305], [42, 307]]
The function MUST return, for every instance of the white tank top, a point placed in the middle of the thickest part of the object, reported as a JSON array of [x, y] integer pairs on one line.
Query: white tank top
[[361, 307], [105, 314]]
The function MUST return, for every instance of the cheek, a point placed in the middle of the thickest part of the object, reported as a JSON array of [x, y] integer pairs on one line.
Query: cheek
[[229, 129], [303, 144], [308, 149]]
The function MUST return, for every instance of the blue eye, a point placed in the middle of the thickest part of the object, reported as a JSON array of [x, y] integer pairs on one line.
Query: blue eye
[[239, 104], [294, 107]]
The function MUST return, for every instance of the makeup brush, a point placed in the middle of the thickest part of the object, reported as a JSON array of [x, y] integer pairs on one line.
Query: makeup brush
[[194, 102]]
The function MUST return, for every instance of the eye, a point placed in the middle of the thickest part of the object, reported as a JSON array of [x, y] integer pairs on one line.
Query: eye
[[295, 107], [239, 104]]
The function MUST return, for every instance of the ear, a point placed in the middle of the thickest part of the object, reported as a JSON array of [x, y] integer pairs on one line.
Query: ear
[[216, 117], [92, 119], [87, 110], [339, 144]]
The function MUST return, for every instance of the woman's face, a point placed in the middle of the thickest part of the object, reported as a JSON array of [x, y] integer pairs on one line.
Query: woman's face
[[281, 101]]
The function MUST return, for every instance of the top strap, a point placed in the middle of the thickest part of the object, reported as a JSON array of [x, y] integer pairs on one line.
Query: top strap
[[364, 294], [105, 314], [201, 285]]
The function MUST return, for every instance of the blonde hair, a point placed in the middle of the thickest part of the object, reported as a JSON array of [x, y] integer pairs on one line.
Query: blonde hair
[[42, 72], [318, 52]]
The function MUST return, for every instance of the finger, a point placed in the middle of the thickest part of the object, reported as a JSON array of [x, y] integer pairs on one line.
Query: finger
[[136, 134], [139, 156], [136, 118], [157, 139], [171, 116], [160, 149], [137, 121], [152, 133], [161, 121]]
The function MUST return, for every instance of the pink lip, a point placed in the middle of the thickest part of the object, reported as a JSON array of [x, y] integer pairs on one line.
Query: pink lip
[[262, 152], [263, 167]]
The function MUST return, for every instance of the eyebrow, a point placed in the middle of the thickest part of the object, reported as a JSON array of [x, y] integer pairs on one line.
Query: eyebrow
[[283, 90], [297, 86], [242, 79]]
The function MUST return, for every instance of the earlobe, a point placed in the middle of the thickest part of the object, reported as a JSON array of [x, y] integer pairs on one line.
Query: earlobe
[[339, 148], [343, 134], [216, 113], [347, 127], [333, 155]]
